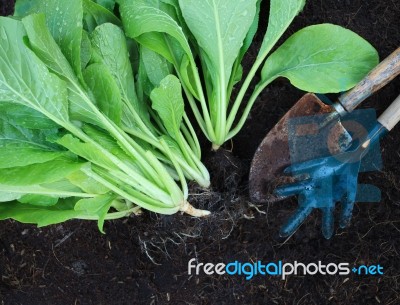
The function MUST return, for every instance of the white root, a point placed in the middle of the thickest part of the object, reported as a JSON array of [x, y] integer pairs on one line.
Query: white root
[[215, 147], [192, 211]]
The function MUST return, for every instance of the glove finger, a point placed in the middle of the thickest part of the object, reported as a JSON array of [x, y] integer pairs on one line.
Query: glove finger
[[348, 203], [327, 222], [347, 208], [346, 214], [293, 188], [304, 167], [295, 221]]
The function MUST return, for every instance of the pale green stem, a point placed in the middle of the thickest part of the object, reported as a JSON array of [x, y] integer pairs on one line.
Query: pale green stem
[[196, 147], [177, 167], [247, 109], [245, 86], [135, 199], [111, 216]]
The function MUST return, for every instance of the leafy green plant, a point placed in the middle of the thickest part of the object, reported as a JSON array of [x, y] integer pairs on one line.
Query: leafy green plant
[[93, 124], [206, 41], [75, 139]]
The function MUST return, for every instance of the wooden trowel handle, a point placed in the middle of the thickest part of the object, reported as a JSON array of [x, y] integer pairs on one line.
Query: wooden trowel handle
[[375, 80], [391, 116]]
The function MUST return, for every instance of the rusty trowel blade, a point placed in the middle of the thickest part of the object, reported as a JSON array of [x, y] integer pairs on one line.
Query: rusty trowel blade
[[273, 156]]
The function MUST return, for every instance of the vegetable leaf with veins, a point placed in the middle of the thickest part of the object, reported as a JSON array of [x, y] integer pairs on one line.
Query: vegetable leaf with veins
[[223, 31], [65, 154]]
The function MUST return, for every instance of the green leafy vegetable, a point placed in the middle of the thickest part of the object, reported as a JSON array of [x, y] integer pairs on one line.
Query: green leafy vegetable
[[108, 4], [96, 206], [93, 123], [168, 102], [74, 92], [281, 16], [109, 43], [308, 62], [223, 32], [95, 14], [105, 91], [40, 215], [38, 173]]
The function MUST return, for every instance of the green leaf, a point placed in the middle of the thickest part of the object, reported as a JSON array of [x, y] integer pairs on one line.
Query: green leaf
[[322, 58], [45, 47], [59, 189], [91, 152], [105, 91], [25, 117], [134, 56], [86, 150], [145, 22], [109, 42], [24, 7], [86, 50], [16, 156], [143, 84], [173, 145], [165, 6], [87, 184], [21, 147], [237, 71], [38, 200], [109, 143], [65, 186], [110, 46], [168, 102], [108, 4], [42, 216], [220, 28], [64, 19], [13, 134], [95, 14], [81, 108], [24, 78], [281, 15], [251, 33], [238, 74], [96, 206], [9, 196], [39, 173], [187, 76], [157, 68]]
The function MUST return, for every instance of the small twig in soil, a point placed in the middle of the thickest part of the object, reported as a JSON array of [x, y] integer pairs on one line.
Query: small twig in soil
[[64, 239]]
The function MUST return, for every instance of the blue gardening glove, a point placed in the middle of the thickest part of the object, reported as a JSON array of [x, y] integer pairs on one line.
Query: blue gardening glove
[[325, 181], [329, 180]]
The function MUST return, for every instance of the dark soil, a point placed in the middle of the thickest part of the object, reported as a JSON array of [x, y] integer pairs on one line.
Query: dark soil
[[143, 260]]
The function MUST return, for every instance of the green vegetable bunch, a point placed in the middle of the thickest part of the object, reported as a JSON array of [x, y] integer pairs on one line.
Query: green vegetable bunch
[[93, 124], [78, 137], [207, 40]]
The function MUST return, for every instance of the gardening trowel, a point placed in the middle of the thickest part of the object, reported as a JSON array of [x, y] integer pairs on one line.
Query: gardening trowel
[[273, 154], [334, 179]]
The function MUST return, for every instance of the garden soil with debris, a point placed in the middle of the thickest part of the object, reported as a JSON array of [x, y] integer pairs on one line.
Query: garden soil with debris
[[143, 259]]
